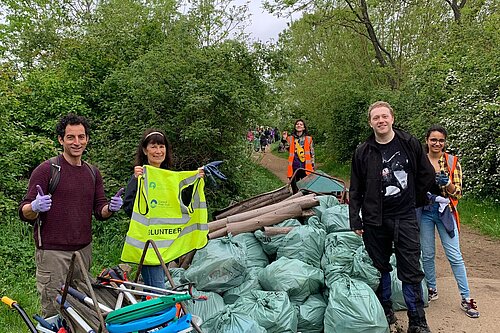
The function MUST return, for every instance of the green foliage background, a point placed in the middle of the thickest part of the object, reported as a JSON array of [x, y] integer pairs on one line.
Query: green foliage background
[[129, 65], [434, 67]]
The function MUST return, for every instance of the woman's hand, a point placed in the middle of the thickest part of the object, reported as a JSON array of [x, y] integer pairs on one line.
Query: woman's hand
[[138, 170], [201, 172]]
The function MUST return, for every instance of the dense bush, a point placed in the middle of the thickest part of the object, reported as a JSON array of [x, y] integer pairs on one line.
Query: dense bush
[[458, 87]]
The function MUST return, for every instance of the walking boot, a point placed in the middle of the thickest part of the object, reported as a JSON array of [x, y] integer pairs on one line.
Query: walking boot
[[417, 322], [390, 316], [419, 329]]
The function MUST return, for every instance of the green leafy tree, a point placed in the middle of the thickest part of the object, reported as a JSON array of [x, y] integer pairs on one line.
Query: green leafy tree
[[459, 88], [203, 98], [20, 149], [215, 21]]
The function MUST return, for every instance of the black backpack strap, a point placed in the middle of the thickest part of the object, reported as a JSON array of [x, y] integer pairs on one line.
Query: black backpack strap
[[55, 173]]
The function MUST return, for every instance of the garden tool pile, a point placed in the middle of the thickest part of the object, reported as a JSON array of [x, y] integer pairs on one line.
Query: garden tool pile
[[125, 306]]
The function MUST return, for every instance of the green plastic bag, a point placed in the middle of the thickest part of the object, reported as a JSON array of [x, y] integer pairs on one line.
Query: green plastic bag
[[178, 275], [353, 307], [315, 221], [297, 278], [271, 244], [397, 298], [340, 248], [325, 202], [336, 218], [230, 321], [305, 243], [311, 314], [271, 309], [219, 266], [205, 309], [251, 283], [256, 257], [363, 269], [345, 254]]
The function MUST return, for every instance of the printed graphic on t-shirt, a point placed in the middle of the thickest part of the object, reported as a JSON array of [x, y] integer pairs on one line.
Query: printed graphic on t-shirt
[[397, 180], [394, 175]]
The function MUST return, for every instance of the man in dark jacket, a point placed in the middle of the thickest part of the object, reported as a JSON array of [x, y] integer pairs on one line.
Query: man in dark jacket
[[390, 176]]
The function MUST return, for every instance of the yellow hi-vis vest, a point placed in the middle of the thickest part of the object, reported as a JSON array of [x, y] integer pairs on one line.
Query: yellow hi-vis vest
[[160, 215]]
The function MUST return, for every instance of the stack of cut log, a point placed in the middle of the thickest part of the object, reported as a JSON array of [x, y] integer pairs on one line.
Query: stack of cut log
[[293, 206]]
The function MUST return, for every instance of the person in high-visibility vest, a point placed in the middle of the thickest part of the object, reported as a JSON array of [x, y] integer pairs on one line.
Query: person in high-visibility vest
[[154, 149], [300, 152], [442, 214]]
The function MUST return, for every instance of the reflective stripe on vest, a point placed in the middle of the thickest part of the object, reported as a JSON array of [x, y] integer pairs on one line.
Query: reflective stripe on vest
[[451, 164], [160, 215], [291, 154]]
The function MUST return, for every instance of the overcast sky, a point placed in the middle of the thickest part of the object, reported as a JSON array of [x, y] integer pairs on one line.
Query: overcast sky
[[264, 25]]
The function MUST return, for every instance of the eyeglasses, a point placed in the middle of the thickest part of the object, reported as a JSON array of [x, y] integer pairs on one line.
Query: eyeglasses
[[434, 140]]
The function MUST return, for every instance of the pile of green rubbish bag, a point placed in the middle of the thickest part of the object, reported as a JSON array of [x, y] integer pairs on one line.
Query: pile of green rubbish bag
[[316, 278]]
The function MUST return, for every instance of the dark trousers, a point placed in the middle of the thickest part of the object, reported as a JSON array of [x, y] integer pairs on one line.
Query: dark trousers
[[403, 235]]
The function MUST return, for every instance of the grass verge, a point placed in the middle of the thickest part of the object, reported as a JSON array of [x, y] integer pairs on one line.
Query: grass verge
[[483, 215], [17, 279]]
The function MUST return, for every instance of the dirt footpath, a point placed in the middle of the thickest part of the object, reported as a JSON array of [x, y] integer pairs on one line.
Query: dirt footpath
[[482, 259]]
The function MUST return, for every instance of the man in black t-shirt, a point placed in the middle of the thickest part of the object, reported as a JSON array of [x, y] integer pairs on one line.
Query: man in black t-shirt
[[390, 176]]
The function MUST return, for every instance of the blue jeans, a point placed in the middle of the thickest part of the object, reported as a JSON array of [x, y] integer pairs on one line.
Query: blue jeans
[[428, 222], [153, 276]]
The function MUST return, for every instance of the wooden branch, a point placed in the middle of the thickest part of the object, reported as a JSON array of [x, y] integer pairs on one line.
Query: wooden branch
[[273, 231], [295, 196], [257, 202], [306, 201], [265, 220], [308, 213], [218, 233], [186, 259], [216, 225]]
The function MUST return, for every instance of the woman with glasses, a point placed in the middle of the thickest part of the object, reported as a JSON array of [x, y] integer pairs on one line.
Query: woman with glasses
[[441, 214]]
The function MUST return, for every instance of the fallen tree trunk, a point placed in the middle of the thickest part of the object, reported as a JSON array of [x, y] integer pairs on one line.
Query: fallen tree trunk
[[295, 196], [305, 202], [218, 233], [308, 213], [255, 202], [268, 219]]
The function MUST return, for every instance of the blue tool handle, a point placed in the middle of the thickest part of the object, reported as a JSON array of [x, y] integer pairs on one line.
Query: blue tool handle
[[75, 293], [113, 275], [44, 323], [181, 324], [59, 300]]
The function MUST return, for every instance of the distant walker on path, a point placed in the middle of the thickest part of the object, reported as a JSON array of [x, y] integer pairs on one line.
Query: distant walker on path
[[301, 151]]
